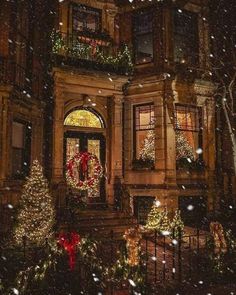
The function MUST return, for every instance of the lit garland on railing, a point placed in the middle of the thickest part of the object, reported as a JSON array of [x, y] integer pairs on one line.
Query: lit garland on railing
[[91, 51]]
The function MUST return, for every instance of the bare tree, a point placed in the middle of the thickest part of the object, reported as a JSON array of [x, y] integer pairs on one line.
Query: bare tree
[[223, 63]]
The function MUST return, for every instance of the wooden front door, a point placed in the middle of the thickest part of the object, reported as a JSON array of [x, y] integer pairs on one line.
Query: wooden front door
[[93, 143]]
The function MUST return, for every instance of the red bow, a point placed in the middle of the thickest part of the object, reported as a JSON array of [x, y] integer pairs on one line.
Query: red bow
[[69, 243], [84, 161]]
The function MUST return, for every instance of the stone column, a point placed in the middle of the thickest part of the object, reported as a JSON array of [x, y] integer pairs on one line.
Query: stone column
[[210, 153], [159, 131], [110, 20], [170, 142], [116, 144], [58, 138]]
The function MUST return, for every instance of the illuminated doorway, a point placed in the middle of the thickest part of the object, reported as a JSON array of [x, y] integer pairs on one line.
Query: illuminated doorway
[[84, 132]]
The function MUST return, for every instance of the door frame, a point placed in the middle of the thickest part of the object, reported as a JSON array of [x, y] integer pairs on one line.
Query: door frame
[[85, 135]]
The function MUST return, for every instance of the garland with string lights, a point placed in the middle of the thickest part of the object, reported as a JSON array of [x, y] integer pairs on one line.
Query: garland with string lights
[[92, 51]]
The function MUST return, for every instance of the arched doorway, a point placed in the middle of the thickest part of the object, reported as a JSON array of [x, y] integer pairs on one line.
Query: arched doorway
[[84, 130]]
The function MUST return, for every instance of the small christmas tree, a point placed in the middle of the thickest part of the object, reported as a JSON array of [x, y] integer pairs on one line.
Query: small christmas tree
[[177, 223], [183, 148], [147, 153], [158, 220], [36, 214], [154, 218], [165, 223]]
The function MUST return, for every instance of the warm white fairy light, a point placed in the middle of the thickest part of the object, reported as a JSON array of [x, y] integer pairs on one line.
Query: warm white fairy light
[[36, 215]]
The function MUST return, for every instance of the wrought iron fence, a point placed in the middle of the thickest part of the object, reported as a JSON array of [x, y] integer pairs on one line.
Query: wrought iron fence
[[165, 260]]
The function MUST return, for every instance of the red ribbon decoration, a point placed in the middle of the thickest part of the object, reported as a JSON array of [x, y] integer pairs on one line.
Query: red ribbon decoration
[[69, 242], [84, 161]]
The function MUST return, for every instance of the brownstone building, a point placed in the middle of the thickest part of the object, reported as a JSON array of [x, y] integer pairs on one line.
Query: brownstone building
[[125, 78]]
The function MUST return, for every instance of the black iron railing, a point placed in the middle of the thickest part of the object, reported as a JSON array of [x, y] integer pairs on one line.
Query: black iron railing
[[165, 261], [14, 74]]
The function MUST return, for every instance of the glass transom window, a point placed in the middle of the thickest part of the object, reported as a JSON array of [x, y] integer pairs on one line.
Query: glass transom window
[[83, 118]]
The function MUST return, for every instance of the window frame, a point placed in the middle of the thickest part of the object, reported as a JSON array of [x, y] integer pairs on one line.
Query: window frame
[[136, 130], [198, 130], [89, 9], [194, 58], [135, 34], [26, 151]]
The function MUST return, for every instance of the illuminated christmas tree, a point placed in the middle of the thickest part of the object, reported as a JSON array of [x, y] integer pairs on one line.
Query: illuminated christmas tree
[[36, 214], [177, 223], [154, 218], [147, 153], [183, 147], [158, 220]]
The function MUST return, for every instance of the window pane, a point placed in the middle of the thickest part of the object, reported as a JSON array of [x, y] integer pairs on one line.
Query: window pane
[[187, 118], [94, 147], [83, 118], [144, 117], [185, 36], [21, 148], [144, 48], [143, 36], [86, 18], [18, 131], [187, 123], [17, 161], [187, 143], [144, 134], [72, 147]]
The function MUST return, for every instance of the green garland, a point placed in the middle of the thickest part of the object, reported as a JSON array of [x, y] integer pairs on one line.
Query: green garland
[[79, 50]]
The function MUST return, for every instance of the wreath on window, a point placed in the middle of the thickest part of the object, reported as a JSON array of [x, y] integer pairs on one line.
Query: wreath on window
[[80, 166]]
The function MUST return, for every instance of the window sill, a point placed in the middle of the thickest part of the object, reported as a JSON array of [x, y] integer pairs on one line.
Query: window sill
[[144, 65]]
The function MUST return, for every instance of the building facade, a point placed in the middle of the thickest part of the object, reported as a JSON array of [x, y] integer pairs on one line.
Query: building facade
[[128, 82]]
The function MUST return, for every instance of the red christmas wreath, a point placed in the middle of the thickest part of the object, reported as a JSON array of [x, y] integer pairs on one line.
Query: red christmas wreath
[[83, 160]]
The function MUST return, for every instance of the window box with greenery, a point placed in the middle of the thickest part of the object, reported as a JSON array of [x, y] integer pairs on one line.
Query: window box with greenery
[[144, 137], [188, 164], [188, 134], [140, 164]]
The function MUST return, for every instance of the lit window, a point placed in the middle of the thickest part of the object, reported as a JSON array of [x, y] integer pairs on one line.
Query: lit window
[[143, 36], [144, 132], [83, 118], [188, 132], [21, 143], [185, 37]]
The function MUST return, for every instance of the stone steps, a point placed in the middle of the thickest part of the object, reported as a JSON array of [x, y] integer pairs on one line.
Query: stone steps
[[103, 223]]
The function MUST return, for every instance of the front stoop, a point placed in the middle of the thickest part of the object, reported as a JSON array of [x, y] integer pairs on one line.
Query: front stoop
[[101, 223]]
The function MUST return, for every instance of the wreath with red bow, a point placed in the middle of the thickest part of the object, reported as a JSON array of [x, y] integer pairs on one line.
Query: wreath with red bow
[[79, 165]]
